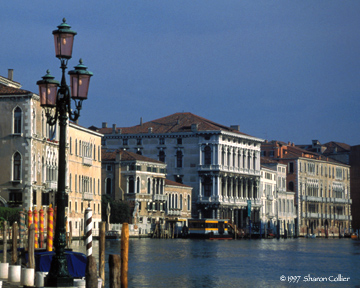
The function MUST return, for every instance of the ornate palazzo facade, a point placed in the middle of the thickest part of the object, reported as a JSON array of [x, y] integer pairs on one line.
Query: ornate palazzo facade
[[220, 163], [229, 177]]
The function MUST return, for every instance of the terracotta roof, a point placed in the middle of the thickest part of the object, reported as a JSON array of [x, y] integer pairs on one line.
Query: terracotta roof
[[7, 90], [267, 160], [110, 155], [173, 183], [336, 147], [175, 123]]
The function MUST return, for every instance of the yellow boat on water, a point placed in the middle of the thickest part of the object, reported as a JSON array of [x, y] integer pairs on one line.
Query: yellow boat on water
[[354, 236]]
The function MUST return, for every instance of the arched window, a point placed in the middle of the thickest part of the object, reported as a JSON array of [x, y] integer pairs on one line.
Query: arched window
[[188, 203], [207, 156], [17, 166], [149, 186], [181, 200], [162, 156], [131, 185], [291, 186], [179, 157], [108, 186], [207, 186], [17, 120], [280, 206], [176, 201], [138, 185], [43, 173]]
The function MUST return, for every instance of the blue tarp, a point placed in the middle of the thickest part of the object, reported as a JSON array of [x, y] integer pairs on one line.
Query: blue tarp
[[76, 262]]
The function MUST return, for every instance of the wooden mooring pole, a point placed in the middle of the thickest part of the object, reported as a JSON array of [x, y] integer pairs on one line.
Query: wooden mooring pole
[[31, 246], [114, 271], [5, 243], [124, 254], [102, 253], [14, 254], [91, 272]]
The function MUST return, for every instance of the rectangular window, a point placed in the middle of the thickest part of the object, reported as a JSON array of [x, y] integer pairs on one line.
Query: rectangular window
[[125, 141], [291, 167], [139, 141], [34, 197], [45, 199], [179, 141], [15, 197], [162, 141]]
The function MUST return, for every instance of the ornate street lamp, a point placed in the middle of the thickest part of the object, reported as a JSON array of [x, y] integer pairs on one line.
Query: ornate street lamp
[[55, 99]]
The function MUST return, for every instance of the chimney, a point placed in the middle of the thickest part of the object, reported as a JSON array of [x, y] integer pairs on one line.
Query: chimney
[[150, 130], [11, 74], [235, 127], [141, 121], [104, 125], [114, 129]]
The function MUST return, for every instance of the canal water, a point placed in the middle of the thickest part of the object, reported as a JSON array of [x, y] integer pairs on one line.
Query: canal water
[[245, 263]]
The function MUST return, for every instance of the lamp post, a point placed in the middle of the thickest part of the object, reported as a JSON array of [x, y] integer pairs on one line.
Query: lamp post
[[55, 99]]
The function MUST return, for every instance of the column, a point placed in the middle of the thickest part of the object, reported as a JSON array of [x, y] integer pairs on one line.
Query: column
[[213, 154], [239, 158], [201, 156], [245, 159], [246, 188], [236, 188], [241, 187], [213, 191], [220, 187], [226, 187], [200, 187], [252, 188]]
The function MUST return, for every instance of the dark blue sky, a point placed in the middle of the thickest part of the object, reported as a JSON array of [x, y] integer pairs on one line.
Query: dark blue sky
[[284, 70]]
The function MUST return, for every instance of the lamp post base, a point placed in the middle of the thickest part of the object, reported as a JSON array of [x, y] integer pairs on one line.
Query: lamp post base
[[58, 275]]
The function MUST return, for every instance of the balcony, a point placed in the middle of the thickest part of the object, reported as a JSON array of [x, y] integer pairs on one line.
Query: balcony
[[174, 212], [342, 200], [87, 161], [159, 197], [208, 167], [87, 196], [51, 184]]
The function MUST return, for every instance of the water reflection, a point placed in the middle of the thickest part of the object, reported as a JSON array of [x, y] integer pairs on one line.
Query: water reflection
[[245, 263]]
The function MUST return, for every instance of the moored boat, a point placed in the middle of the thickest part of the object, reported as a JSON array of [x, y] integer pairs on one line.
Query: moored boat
[[213, 229], [113, 234]]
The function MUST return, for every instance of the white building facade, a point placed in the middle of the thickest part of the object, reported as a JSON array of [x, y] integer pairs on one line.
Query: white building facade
[[220, 163]]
